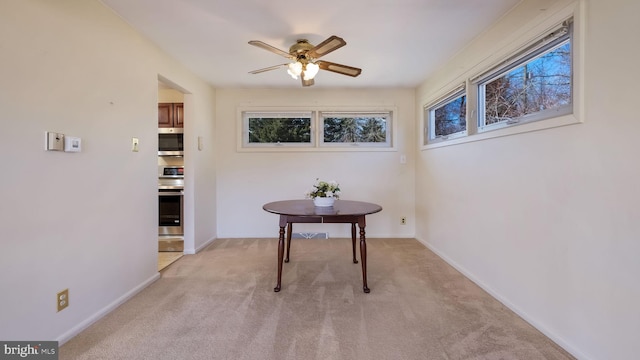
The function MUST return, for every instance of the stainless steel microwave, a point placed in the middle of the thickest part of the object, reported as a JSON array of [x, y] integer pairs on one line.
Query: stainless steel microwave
[[170, 142]]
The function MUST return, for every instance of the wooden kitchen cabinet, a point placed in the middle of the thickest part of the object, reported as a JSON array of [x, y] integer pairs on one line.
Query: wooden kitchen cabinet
[[170, 115]]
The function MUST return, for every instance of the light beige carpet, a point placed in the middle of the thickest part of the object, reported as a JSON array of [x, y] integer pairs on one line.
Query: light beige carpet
[[220, 304]]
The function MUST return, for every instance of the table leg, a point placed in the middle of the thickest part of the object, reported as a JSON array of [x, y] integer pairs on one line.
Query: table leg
[[353, 242], [280, 255], [363, 258], [289, 227]]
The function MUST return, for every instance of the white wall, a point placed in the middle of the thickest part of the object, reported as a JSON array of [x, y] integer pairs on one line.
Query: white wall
[[547, 221], [248, 180], [169, 95], [200, 197], [84, 221]]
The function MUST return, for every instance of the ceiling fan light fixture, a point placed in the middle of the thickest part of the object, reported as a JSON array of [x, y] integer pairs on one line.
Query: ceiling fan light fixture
[[310, 71], [304, 59], [294, 69]]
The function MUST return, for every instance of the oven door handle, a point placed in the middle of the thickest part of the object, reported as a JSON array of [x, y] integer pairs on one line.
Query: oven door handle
[[171, 193]]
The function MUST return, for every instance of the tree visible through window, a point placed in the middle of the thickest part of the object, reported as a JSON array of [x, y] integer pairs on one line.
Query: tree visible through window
[[533, 83], [541, 81], [447, 116], [279, 129], [315, 128], [356, 128], [451, 118]]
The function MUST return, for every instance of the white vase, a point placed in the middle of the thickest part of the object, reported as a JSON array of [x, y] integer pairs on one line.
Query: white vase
[[323, 201]]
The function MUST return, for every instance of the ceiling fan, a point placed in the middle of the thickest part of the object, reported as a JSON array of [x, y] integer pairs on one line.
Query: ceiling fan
[[304, 59]]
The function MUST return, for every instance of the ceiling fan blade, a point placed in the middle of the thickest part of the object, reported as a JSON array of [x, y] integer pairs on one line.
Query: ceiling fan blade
[[339, 68], [307, 82], [327, 46], [267, 69], [268, 47]]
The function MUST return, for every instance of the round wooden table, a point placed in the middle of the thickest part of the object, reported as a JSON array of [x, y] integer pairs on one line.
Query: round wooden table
[[342, 211]]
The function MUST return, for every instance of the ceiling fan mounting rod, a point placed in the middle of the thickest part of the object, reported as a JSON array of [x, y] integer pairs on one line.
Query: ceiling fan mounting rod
[[300, 48]]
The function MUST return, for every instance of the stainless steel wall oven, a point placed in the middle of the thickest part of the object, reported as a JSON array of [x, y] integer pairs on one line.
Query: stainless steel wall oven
[[170, 200]]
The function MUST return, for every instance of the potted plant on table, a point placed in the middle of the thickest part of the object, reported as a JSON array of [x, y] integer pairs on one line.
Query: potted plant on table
[[324, 193]]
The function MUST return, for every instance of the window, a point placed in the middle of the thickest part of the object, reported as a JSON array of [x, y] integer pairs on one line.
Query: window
[[277, 128], [446, 118], [355, 129], [530, 86], [300, 129], [534, 84]]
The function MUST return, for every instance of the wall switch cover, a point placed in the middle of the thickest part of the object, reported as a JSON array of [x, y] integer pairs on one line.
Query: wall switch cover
[[55, 141], [134, 144]]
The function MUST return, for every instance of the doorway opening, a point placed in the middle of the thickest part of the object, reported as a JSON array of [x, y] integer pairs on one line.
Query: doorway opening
[[170, 174]]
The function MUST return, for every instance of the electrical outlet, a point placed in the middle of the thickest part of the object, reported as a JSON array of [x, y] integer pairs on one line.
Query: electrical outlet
[[62, 299], [403, 221]]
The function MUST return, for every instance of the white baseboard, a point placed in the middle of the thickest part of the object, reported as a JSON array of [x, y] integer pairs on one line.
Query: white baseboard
[[551, 335], [104, 311], [195, 251]]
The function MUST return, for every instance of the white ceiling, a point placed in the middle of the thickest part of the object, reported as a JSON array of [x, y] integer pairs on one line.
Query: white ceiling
[[397, 43]]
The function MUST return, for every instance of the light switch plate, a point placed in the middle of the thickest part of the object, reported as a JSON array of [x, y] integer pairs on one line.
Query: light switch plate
[[134, 144], [54, 141]]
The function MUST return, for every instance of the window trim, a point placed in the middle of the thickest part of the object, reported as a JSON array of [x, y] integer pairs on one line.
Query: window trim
[[497, 55], [429, 124], [553, 39], [316, 130]]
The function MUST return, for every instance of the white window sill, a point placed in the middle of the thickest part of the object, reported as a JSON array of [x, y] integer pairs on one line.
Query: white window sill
[[564, 120]]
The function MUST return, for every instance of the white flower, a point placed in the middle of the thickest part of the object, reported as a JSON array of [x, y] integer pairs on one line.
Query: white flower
[[324, 189]]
